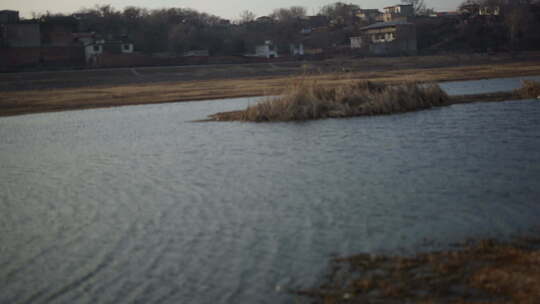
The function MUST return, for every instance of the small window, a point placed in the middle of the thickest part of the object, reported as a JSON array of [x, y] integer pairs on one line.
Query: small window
[[97, 48], [126, 47]]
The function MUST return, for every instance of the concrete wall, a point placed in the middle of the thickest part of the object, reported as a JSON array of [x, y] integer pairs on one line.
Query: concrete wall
[[91, 52]]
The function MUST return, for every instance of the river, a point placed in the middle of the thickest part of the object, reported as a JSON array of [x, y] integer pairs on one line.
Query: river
[[139, 205]]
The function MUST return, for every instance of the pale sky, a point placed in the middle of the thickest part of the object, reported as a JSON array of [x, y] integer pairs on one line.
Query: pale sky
[[229, 9]]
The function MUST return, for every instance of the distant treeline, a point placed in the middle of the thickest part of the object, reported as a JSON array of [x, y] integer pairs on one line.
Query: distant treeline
[[177, 30]]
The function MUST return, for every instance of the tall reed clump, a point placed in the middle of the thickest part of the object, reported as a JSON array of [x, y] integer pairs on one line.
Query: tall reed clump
[[529, 89], [306, 100]]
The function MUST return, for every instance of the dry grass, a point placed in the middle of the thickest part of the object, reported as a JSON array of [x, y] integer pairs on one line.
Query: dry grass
[[529, 89], [308, 99], [305, 100], [32, 101], [487, 272]]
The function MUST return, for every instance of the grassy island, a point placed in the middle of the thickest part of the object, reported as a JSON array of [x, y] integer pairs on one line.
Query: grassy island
[[306, 100]]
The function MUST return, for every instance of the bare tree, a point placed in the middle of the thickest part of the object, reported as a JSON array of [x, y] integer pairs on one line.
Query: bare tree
[[420, 7], [287, 15], [247, 17], [517, 20], [340, 13]]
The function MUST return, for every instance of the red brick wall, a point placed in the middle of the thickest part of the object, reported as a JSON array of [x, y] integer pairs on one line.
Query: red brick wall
[[46, 56], [63, 56], [18, 57]]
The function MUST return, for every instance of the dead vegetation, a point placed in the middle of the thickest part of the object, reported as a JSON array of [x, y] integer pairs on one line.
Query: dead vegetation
[[305, 100], [485, 272], [529, 89]]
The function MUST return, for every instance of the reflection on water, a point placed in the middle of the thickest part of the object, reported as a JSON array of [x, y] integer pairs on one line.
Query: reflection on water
[[137, 205], [485, 86]]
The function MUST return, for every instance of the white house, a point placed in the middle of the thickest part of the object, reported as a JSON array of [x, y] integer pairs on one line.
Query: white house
[[267, 50], [96, 48], [356, 42], [398, 12], [127, 48], [296, 49], [93, 50]]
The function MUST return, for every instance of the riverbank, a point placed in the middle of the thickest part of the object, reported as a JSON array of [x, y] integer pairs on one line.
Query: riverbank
[[246, 84], [481, 272]]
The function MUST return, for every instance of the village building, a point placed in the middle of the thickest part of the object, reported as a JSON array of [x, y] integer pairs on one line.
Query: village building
[[84, 38], [266, 50], [264, 19], [473, 10], [446, 15], [386, 38], [99, 47], [490, 11], [58, 31], [470, 9], [92, 51], [23, 34], [369, 15], [312, 24], [7, 16], [16, 33], [398, 13], [317, 21], [296, 49]]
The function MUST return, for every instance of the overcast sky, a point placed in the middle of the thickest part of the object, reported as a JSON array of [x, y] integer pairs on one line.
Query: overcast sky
[[229, 9]]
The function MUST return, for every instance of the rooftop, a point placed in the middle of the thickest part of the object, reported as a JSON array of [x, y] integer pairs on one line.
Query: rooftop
[[385, 24], [399, 5], [368, 10]]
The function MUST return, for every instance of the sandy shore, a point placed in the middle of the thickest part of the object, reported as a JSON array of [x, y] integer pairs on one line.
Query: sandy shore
[[51, 96]]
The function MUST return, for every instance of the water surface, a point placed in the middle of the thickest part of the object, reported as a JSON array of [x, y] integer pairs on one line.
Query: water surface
[[138, 205]]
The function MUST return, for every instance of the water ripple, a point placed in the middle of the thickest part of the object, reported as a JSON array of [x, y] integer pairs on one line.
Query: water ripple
[[134, 205]]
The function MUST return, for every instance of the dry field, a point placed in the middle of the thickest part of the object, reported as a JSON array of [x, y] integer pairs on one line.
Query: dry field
[[41, 92]]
